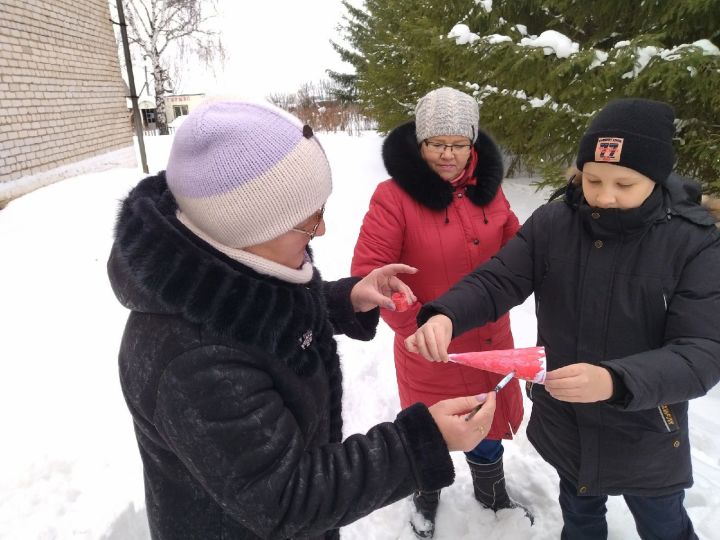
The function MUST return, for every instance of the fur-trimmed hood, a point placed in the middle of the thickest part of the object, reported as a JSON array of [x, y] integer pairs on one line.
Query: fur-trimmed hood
[[158, 266], [684, 196], [404, 163]]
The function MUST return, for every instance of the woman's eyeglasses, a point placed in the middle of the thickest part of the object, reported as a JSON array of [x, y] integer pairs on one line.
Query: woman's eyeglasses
[[311, 233], [439, 148]]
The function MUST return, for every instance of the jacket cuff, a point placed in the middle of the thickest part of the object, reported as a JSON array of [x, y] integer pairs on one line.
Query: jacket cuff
[[426, 447], [431, 309], [621, 396], [342, 314]]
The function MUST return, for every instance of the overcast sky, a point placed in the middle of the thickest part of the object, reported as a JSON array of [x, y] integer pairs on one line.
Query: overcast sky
[[272, 46]]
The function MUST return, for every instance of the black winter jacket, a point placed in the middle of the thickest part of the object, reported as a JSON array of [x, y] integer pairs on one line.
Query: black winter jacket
[[234, 386], [636, 291]]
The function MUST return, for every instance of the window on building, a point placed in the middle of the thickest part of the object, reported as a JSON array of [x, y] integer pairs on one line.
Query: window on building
[[180, 110], [148, 116]]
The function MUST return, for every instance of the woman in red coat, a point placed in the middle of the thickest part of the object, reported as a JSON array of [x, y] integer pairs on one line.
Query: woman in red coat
[[444, 212]]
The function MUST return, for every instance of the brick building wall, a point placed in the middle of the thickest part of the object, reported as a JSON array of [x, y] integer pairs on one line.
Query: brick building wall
[[62, 98]]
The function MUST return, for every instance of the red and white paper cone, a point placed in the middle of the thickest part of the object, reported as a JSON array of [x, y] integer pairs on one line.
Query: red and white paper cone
[[528, 364]]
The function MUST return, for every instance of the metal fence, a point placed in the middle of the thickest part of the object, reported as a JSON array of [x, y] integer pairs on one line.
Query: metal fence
[[152, 132]]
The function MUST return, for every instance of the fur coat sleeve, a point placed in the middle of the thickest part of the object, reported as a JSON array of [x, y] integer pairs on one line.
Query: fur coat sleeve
[[343, 318], [222, 412]]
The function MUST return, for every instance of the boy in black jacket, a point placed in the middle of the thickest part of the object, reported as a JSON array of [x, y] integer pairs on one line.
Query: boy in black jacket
[[626, 275]]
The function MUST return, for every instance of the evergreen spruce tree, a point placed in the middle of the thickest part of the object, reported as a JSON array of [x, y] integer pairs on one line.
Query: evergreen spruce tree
[[400, 52], [537, 100]]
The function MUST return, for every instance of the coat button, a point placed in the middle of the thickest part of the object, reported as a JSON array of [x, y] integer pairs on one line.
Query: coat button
[[598, 244], [460, 195], [476, 241], [676, 443], [595, 215], [583, 490]]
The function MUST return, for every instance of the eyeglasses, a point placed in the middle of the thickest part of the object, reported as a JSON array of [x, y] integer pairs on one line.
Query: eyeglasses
[[319, 216], [439, 148]]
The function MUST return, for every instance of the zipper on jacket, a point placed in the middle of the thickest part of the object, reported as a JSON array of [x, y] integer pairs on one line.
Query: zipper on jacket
[[665, 300], [668, 418]]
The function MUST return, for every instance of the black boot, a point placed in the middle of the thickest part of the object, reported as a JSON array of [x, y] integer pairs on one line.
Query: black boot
[[423, 519], [489, 487]]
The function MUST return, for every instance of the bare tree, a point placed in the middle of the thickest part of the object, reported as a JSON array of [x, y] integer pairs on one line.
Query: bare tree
[[166, 32], [317, 104]]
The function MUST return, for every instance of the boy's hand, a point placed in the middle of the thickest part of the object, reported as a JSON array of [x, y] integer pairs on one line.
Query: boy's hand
[[580, 383], [432, 339]]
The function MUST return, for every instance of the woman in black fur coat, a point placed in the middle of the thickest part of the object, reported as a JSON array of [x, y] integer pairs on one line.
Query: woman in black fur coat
[[228, 362]]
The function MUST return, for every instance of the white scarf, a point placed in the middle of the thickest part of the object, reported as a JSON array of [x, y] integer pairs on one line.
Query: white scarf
[[259, 264]]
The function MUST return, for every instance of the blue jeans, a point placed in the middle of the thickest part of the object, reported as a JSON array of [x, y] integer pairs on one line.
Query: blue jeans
[[656, 518], [488, 451]]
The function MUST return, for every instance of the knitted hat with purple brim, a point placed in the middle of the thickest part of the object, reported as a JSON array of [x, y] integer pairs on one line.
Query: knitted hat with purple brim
[[244, 173]]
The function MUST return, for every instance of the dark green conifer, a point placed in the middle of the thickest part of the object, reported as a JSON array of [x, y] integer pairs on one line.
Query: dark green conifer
[[534, 101]]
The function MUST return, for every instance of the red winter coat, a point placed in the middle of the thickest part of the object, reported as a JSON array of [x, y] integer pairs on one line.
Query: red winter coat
[[417, 218]]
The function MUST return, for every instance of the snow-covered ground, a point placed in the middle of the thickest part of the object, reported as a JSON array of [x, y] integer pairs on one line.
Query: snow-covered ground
[[71, 469]]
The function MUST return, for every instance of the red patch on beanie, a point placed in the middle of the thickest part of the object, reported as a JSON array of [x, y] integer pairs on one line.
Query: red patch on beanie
[[608, 149]]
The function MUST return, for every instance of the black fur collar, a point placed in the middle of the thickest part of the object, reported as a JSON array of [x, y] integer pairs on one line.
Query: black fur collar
[[158, 266], [403, 162]]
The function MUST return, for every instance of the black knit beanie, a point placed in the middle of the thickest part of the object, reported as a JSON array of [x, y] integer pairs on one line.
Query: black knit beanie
[[633, 133]]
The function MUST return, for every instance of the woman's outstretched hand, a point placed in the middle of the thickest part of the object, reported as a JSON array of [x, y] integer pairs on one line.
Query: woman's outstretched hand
[[461, 434], [432, 339], [376, 289]]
